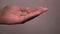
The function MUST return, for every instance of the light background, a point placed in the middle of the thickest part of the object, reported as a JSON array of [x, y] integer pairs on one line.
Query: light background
[[47, 23]]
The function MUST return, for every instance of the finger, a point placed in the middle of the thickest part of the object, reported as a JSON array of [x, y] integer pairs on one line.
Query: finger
[[32, 14], [26, 9], [35, 12], [43, 8]]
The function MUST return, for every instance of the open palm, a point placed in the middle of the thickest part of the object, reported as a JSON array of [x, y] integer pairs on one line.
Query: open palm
[[12, 14]]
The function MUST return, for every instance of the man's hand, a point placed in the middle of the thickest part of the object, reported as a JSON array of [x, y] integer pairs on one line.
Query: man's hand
[[12, 14]]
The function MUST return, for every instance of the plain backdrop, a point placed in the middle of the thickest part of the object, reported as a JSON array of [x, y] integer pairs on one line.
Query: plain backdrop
[[46, 23]]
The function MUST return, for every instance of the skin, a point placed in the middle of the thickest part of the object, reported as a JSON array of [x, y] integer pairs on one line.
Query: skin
[[11, 14]]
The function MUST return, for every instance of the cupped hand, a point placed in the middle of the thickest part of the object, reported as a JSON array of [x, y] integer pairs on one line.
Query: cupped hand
[[13, 14]]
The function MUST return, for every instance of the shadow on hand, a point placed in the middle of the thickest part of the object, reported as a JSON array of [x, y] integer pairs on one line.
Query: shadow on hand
[[20, 22]]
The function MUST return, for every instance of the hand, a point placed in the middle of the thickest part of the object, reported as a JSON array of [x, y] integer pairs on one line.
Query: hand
[[13, 14]]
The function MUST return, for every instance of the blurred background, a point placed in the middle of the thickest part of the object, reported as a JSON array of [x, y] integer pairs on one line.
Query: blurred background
[[46, 23]]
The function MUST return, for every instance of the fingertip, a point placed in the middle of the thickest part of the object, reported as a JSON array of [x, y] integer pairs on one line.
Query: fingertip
[[45, 9]]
